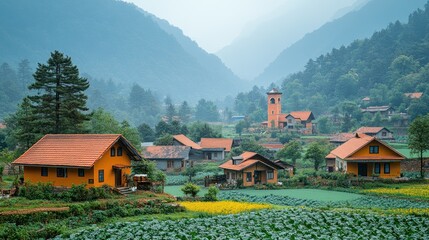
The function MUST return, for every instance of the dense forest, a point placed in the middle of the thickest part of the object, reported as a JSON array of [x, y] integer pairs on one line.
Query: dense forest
[[113, 40], [394, 61]]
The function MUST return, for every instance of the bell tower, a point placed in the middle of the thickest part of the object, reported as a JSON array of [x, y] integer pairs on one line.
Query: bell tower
[[274, 108]]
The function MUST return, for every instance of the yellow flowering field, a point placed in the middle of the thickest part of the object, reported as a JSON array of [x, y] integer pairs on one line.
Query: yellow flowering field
[[223, 207], [414, 211], [416, 190]]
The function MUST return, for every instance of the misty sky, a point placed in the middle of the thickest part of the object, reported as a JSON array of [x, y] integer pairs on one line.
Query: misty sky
[[213, 24]]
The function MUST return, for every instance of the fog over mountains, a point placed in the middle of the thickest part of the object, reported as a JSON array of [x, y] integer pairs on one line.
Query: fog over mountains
[[263, 39], [113, 40], [358, 24]]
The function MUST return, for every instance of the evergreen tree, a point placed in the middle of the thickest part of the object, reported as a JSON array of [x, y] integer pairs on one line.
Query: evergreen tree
[[185, 112], [60, 102], [24, 73], [147, 134]]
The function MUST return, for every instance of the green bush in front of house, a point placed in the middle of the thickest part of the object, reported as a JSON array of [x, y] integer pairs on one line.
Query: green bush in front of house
[[76, 193]]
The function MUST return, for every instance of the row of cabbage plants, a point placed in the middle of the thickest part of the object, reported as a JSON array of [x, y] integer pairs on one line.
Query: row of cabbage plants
[[292, 223], [363, 202]]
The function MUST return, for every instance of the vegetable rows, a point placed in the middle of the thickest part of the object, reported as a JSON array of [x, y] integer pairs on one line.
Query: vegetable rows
[[294, 223]]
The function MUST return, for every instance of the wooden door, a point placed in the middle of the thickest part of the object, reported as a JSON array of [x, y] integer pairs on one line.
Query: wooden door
[[362, 169], [118, 177]]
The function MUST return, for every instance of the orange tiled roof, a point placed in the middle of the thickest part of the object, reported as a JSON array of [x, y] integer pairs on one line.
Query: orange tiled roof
[[366, 99], [186, 141], [2, 125], [416, 95], [369, 129], [243, 165], [164, 152], [347, 149], [342, 137], [303, 115], [330, 155], [71, 150], [249, 161], [272, 145], [225, 143], [247, 155]]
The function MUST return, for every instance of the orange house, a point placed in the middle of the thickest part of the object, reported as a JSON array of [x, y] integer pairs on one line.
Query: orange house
[[366, 156], [251, 168], [66, 159]]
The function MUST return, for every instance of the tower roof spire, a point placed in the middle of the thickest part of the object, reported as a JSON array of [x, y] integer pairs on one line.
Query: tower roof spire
[[274, 91]]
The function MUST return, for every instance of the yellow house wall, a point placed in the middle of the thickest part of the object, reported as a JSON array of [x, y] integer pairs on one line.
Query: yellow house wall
[[395, 169], [106, 163], [382, 151], [34, 175], [258, 167]]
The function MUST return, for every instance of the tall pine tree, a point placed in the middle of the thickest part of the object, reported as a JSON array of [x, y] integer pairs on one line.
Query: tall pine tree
[[60, 102]]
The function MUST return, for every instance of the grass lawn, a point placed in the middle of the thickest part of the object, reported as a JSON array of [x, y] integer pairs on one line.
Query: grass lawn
[[310, 194], [404, 150]]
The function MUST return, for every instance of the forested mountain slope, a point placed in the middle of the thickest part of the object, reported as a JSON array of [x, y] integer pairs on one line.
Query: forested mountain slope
[[375, 15], [111, 39], [392, 62]]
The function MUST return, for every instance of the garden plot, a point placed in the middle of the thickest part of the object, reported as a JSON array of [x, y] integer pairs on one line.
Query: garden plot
[[294, 223]]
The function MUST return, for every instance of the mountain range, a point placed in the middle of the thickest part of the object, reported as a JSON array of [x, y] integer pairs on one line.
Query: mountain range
[[113, 40], [358, 24], [263, 39]]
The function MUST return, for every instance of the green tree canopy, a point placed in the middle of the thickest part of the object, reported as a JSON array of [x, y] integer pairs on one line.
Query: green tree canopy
[[316, 153], [59, 103], [291, 151], [418, 135]]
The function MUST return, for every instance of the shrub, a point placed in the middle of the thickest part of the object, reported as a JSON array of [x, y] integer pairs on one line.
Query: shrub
[[211, 195], [190, 189]]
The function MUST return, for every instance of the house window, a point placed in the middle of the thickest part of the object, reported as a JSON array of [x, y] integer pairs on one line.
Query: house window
[[119, 151], [272, 100], [80, 172], [270, 174], [373, 149], [248, 177], [289, 120], [272, 112], [90, 181], [376, 168], [170, 164], [233, 176], [112, 152], [278, 99], [384, 134], [62, 172], [215, 155], [387, 168], [100, 175], [44, 171]]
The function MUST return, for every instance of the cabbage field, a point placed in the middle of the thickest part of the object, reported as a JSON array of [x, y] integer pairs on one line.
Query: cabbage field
[[291, 223]]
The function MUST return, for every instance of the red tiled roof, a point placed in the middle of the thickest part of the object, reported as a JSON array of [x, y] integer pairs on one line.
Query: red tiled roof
[[71, 150], [186, 141], [249, 161], [304, 115], [243, 165], [342, 137], [272, 145], [2, 126], [247, 155], [374, 130], [225, 143], [366, 99], [165, 152], [347, 149], [416, 95]]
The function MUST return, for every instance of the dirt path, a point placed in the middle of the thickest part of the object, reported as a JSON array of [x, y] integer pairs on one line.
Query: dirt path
[[35, 210]]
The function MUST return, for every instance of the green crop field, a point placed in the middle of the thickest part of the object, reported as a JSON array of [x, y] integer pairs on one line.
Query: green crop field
[[308, 194]]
